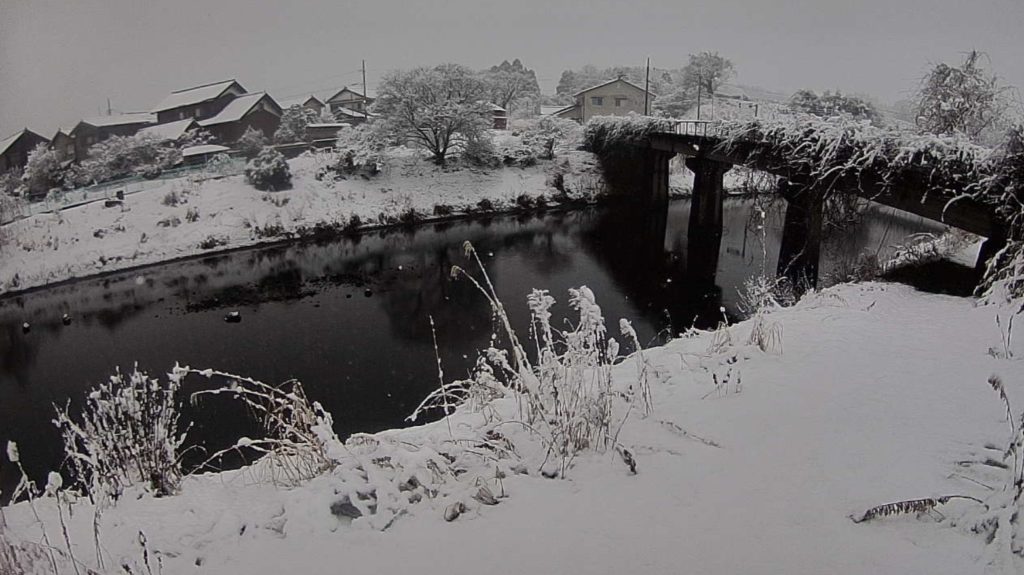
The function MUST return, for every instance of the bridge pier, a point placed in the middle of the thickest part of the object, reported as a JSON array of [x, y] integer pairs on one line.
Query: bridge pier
[[800, 249], [704, 231], [655, 165]]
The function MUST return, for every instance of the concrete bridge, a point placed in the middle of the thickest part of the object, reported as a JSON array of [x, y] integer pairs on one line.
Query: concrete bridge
[[706, 156]]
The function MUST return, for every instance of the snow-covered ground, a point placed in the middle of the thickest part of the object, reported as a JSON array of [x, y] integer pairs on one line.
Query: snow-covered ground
[[872, 393], [184, 217]]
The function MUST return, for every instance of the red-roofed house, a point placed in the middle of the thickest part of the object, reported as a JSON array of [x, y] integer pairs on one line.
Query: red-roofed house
[[198, 103]]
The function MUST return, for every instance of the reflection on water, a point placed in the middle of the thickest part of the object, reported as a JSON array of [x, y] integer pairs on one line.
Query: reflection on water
[[350, 318]]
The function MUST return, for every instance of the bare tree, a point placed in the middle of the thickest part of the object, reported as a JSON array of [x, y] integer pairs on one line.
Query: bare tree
[[437, 108]]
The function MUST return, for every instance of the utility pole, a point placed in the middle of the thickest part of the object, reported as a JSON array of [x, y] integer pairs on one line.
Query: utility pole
[[699, 82], [647, 87], [108, 106], [365, 115]]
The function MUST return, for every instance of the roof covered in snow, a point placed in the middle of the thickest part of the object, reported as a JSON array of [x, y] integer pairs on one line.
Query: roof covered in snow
[[354, 95], [170, 130], [239, 107], [300, 101], [10, 140], [327, 125], [353, 113], [120, 119], [195, 95], [204, 149], [603, 84]]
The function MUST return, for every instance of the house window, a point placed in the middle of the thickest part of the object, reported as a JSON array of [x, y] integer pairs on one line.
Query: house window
[[181, 114], [597, 100], [619, 102]]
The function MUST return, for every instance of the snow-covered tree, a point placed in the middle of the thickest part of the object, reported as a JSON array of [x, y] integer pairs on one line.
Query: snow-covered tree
[[966, 98], [833, 104], [43, 170], [120, 156], [709, 70], [512, 85], [195, 137], [437, 108], [293, 124], [251, 142]]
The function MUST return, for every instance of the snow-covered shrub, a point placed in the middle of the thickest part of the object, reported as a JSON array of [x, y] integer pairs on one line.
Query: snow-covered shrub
[[268, 171], [480, 151], [293, 124], [251, 143], [195, 137], [122, 156], [549, 134], [513, 152], [126, 434], [360, 148], [568, 397]]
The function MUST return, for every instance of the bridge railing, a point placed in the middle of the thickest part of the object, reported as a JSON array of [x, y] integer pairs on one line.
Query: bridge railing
[[699, 128]]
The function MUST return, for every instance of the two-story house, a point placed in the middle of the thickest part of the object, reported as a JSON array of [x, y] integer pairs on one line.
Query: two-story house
[[617, 97], [198, 103]]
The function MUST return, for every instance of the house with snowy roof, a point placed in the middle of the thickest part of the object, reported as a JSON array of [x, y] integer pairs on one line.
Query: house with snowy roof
[[348, 100], [618, 97], [310, 102], [258, 111], [91, 131], [14, 149], [63, 143], [198, 102], [171, 131]]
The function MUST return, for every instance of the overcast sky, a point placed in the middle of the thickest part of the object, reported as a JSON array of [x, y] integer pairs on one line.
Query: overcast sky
[[60, 60]]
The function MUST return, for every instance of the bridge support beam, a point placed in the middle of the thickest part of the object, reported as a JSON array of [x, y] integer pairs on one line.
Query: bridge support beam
[[800, 250], [704, 232], [655, 175]]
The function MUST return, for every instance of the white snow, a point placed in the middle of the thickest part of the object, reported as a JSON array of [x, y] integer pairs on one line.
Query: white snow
[[194, 95], [203, 149], [879, 395], [120, 119], [153, 225], [170, 130], [236, 109]]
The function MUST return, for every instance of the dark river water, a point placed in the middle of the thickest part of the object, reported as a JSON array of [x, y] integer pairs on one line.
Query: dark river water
[[350, 318]]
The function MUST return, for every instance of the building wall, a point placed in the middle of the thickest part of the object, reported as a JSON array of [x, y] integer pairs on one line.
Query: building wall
[[262, 120], [64, 145], [629, 98], [17, 155], [86, 136]]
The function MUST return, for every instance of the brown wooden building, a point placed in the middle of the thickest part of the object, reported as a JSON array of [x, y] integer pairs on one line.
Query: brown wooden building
[[198, 103], [63, 143], [258, 111], [15, 148], [91, 131]]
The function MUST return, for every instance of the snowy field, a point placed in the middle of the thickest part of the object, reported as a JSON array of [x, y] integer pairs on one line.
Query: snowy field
[[184, 217], [752, 462]]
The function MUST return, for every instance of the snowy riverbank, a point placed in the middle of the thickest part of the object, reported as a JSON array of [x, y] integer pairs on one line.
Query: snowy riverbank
[[183, 218], [752, 462]]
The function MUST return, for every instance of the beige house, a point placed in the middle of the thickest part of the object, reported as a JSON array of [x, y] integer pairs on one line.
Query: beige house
[[617, 97]]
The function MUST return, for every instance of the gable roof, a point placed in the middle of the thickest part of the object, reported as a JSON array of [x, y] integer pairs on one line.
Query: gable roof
[[118, 120], [350, 90], [203, 149], [195, 95], [300, 101], [603, 84], [349, 112], [170, 130], [239, 107], [10, 140]]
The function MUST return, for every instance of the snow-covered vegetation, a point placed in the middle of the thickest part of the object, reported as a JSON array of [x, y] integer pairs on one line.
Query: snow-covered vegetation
[[268, 171]]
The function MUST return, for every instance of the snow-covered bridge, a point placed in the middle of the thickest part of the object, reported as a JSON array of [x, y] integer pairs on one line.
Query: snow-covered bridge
[[929, 177]]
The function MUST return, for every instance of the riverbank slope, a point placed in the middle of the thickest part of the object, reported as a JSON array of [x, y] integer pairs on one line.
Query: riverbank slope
[[185, 217], [752, 462]]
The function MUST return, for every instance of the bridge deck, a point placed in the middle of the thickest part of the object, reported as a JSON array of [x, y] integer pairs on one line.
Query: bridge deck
[[911, 194]]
